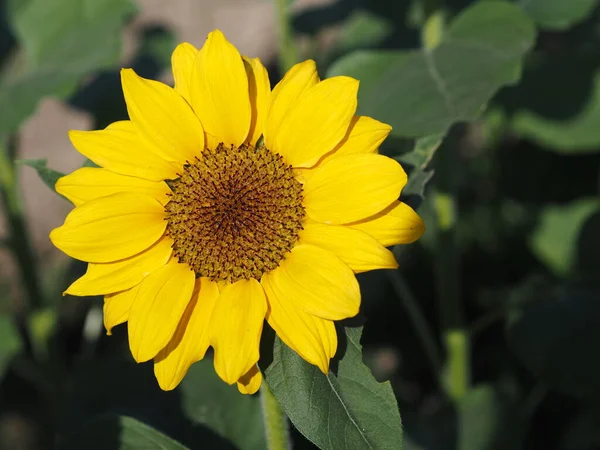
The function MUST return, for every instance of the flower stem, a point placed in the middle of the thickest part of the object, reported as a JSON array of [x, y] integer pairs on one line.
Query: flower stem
[[276, 427], [18, 243], [288, 53], [451, 308]]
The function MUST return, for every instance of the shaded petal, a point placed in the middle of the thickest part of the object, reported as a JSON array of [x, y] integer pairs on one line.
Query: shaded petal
[[120, 149], [397, 224], [364, 135], [183, 59], [158, 308], [107, 278], [356, 248], [316, 122], [251, 381], [117, 306], [191, 339], [260, 96], [163, 118], [219, 92], [352, 187], [89, 183], [313, 338], [236, 326], [298, 79], [317, 282], [111, 228]]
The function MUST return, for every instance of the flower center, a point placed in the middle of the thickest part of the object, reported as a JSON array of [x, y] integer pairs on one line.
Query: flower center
[[234, 213]]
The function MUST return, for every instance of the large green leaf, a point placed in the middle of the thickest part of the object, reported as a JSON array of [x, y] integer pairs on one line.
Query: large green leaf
[[119, 433], [557, 239], [423, 92], [61, 42], [554, 337], [209, 401], [346, 411], [557, 14]]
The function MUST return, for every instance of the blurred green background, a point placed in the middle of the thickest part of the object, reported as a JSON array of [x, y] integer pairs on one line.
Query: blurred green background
[[489, 331]]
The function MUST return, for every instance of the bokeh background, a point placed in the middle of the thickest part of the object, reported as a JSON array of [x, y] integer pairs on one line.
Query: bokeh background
[[504, 163]]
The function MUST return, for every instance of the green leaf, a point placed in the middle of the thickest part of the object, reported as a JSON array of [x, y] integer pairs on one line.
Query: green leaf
[[556, 240], [423, 92], [10, 342], [119, 433], [554, 338], [82, 36], [577, 134], [350, 410], [419, 158], [557, 14], [209, 401], [48, 176]]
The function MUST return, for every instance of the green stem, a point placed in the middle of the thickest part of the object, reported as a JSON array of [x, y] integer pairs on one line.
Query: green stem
[[451, 308], [18, 241], [276, 427], [288, 53], [404, 292]]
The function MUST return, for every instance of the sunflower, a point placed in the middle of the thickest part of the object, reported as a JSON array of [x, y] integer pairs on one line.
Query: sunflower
[[222, 203]]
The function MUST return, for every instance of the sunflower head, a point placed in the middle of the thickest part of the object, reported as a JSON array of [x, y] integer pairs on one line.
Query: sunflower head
[[223, 202]]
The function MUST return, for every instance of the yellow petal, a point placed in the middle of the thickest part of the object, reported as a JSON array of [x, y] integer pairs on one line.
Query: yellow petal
[[356, 248], [298, 79], [111, 228], [219, 92], [89, 183], [397, 224], [163, 118], [352, 187], [317, 282], [364, 135], [182, 61], [158, 308], [317, 122], [107, 278], [120, 149], [191, 339], [251, 381], [236, 326], [260, 96], [313, 338], [117, 306]]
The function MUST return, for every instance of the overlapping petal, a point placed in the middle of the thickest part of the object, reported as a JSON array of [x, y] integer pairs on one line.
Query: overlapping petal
[[317, 282], [316, 122], [352, 187], [107, 278], [251, 381], [260, 97], [119, 148], [356, 248], [117, 306], [311, 337], [163, 118], [236, 326], [183, 61], [219, 92], [158, 307], [191, 339], [295, 82], [397, 224], [89, 183], [111, 228]]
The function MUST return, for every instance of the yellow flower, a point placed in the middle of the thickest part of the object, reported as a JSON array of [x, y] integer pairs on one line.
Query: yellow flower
[[221, 203]]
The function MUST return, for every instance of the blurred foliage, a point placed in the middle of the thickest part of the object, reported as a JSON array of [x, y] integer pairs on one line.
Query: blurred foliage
[[495, 104]]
